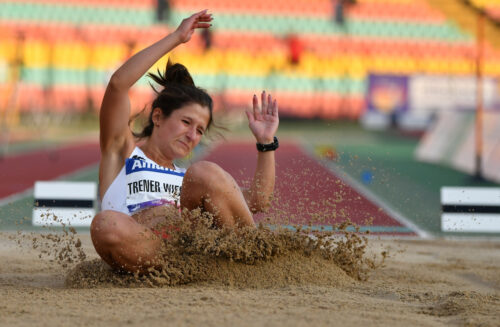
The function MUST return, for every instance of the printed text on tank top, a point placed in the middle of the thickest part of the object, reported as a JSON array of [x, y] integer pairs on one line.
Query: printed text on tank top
[[149, 184]]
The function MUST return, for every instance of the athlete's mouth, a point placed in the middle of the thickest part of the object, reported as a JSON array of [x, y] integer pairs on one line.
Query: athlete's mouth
[[185, 145]]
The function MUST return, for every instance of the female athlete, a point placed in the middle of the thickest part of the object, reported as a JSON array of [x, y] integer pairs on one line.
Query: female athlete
[[138, 180]]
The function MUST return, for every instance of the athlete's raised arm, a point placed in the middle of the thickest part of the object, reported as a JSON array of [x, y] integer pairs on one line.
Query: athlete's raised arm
[[263, 122], [115, 110], [116, 139]]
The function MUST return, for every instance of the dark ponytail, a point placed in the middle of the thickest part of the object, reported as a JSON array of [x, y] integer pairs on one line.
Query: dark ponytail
[[175, 73], [178, 90]]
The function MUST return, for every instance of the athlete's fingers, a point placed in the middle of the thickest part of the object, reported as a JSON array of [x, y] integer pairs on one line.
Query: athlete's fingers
[[202, 25], [195, 17], [249, 116], [199, 16], [264, 102], [199, 13], [269, 105], [256, 110], [275, 108], [205, 18]]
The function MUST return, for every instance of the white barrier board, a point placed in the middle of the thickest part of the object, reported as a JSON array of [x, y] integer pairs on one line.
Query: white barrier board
[[470, 209], [65, 190], [62, 202], [470, 195], [478, 223], [59, 216]]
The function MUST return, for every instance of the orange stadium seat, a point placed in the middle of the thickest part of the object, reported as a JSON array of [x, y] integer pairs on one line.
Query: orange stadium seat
[[69, 99], [28, 98]]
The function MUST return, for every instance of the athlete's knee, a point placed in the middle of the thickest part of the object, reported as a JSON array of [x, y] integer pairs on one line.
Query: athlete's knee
[[207, 173], [104, 228]]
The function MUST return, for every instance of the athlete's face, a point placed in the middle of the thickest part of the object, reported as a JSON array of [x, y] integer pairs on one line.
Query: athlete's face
[[182, 130]]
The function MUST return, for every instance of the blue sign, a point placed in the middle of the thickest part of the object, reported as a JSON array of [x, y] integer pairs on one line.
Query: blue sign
[[387, 94]]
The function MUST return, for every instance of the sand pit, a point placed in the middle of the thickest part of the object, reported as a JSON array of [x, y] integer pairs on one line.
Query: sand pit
[[423, 283]]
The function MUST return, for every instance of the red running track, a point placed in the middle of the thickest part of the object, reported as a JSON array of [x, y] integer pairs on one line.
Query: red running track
[[18, 173], [306, 192]]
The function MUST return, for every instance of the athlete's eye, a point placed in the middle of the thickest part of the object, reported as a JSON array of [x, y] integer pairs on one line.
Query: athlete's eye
[[185, 121], [200, 131]]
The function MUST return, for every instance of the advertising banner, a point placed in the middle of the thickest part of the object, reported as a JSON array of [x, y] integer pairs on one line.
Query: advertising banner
[[387, 94], [436, 93]]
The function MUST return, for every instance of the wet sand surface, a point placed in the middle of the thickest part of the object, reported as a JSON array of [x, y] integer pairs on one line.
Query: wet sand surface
[[422, 283]]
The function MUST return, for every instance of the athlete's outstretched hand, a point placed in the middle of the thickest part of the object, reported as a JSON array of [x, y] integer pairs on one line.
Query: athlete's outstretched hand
[[263, 121], [198, 20]]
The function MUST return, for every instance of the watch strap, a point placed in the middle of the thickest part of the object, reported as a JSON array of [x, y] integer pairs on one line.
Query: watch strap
[[268, 147]]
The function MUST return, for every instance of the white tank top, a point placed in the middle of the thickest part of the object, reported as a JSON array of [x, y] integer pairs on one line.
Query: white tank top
[[142, 183]]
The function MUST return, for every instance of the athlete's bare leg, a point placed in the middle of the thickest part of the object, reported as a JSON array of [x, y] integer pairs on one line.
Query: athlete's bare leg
[[126, 244], [123, 243], [207, 186]]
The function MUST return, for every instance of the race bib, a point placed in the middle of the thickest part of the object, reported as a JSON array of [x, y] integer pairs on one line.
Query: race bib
[[149, 184]]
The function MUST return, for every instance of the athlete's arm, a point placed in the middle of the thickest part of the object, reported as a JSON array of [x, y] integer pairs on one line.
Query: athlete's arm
[[116, 139], [263, 123], [115, 109]]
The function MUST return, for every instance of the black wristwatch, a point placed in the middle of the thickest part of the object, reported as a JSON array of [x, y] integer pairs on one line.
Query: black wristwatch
[[268, 147]]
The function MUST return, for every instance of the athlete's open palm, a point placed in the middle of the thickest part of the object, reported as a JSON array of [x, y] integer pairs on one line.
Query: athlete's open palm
[[263, 121]]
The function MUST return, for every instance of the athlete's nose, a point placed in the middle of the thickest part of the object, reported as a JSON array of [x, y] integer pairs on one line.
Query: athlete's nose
[[191, 134]]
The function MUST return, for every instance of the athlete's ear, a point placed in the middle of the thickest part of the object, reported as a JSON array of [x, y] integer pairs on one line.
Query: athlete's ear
[[157, 116]]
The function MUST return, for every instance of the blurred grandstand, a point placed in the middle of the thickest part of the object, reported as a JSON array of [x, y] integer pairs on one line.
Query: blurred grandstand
[[399, 60]]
